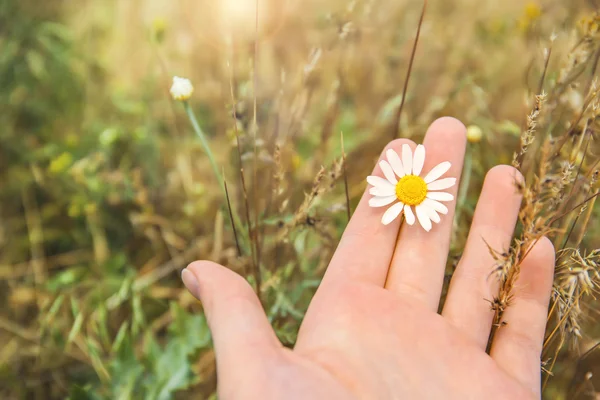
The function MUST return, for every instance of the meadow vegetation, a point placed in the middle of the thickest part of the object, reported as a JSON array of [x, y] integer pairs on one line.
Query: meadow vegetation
[[106, 191]]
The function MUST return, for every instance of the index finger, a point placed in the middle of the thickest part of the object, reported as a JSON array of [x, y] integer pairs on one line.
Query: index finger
[[366, 248]]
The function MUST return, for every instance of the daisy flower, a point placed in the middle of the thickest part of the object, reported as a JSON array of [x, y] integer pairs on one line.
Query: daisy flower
[[181, 89], [404, 187]]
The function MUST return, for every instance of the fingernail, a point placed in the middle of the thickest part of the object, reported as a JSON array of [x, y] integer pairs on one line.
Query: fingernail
[[190, 282]]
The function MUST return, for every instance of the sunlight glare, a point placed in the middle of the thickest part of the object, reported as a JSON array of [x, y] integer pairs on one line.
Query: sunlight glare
[[240, 14]]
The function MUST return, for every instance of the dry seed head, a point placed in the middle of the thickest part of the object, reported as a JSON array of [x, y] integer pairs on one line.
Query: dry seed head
[[576, 57], [315, 56], [278, 174], [346, 30], [576, 275], [528, 136], [316, 188]]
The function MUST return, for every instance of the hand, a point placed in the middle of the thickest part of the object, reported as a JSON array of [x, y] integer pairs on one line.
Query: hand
[[372, 330]]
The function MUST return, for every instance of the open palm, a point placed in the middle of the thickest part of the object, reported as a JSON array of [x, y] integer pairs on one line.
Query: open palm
[[372, 330]]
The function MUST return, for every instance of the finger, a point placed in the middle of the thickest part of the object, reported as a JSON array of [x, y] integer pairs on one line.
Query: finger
[[518, 344], [419, 260], [472, 286], [366, 248], [239, 326]]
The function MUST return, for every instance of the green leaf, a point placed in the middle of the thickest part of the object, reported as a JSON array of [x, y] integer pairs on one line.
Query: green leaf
[[120, 338], [53, 309], [300, 242], [65, 278], [60, 31], [76, 328], [190, 330], [126, 371], [36, 64], [139, 320], [171, 367], [102, 322], [83, 393], [74, 306]]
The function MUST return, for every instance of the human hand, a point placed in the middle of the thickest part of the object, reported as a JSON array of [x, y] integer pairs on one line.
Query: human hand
[[372, 330]]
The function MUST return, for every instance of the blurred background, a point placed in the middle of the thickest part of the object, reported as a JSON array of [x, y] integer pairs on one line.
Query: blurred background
[[106, 193]]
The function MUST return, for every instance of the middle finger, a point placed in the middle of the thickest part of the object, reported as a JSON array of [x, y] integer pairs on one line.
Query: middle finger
[[417, 268]]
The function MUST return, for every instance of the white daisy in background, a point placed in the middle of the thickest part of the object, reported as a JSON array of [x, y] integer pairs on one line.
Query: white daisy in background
[[181, 89], [404, 186]]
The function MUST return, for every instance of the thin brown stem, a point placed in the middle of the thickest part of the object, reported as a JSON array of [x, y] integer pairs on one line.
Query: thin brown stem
[[396, 122], [551, 311], [562, 320], [237, 243], [580, 167], [241, 169], [543, 77], [566, 240], [348, 210], [593, 70], [552, 365], [258, 276], [35, 233], [569, 134], [586, 221], [553, 220], [577, 185]]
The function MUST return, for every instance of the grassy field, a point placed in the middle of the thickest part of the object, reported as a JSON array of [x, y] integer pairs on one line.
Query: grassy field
[[106, 191]]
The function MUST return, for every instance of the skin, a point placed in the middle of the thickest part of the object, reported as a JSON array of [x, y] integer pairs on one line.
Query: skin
[[372, 330]]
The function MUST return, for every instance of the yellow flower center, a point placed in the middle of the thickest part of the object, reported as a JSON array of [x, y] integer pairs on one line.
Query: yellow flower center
[[411, 190]]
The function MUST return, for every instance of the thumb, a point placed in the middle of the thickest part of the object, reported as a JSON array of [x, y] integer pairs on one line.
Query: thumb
[[240, 329]]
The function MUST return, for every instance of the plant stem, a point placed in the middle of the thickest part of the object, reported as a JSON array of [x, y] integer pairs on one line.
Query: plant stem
[[202, 136], [396, 122], [200, 133], [464, 186]]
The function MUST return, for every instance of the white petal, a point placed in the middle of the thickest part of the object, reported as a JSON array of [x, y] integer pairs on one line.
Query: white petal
[[388, 172], [437, 171], [391, 213], [382, 192], [423, 217], [409, 215], [442, 184], [436, 205], [382, 201], [395, 162], [418, 160], [440, 196], [431, 213], [380, 183], [407, 159]]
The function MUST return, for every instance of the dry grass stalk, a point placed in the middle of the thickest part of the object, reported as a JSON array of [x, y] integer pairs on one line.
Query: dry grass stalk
[[255, 238], [395, 128], [345, 172], [563, 185], [324, 181], [528, 136], [250, 231], [233, 227]]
